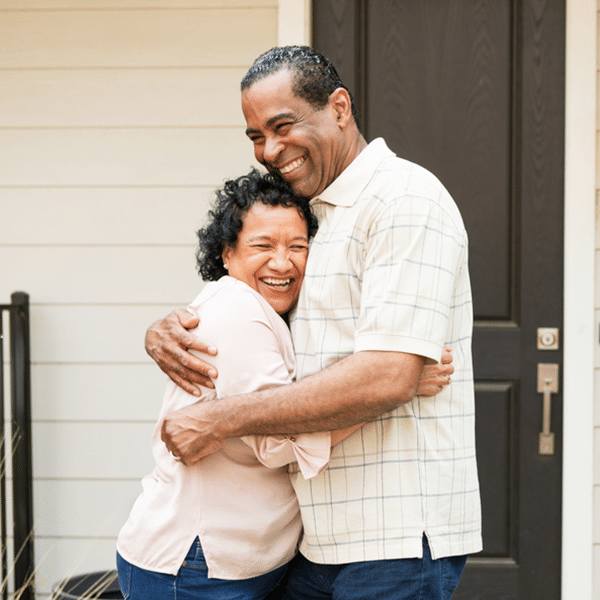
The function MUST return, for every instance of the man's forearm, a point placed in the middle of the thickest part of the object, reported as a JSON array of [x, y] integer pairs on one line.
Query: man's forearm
[[358, 388]]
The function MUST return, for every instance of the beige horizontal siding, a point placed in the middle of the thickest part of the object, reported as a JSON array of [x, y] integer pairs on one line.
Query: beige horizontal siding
[[104, 275], [93, 333], [149, 97], [82, 508], [132, 4], [97, 392], [92, 451], [103, 216], [132, 38], [117, 157]]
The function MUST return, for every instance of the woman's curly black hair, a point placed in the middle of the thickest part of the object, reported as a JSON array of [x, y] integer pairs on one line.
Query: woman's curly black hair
[[226, 216]]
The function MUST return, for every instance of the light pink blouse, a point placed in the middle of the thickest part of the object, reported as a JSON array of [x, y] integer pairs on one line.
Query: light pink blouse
[[239, 501]]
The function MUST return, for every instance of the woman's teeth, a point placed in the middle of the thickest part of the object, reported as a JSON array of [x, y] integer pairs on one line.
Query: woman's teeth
[[277, 282]]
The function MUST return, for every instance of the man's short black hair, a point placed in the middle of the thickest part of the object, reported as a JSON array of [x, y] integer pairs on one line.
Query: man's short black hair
[[226, 217], [314, 78]]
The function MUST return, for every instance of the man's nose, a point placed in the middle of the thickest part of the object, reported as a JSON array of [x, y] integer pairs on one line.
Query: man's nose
[[273, 147]]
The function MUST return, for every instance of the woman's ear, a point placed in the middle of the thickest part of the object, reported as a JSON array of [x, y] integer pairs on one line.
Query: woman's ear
[[225, 256]]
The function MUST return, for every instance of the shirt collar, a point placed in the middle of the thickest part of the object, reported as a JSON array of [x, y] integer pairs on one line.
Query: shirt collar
[[346, 189]]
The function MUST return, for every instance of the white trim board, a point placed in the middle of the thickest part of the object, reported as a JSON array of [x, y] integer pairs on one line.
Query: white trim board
[[578, 393], [293, 23]]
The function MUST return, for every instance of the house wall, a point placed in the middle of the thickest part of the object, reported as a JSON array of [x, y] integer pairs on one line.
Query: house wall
[[117, 120]]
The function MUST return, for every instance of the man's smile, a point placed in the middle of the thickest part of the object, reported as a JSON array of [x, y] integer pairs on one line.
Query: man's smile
[[292, 165]]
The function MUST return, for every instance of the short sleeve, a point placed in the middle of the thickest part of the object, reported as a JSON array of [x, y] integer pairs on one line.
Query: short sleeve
[[412, 257]]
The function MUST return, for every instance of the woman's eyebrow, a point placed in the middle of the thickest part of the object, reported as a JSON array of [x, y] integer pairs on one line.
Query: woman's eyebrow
[[265, 236]]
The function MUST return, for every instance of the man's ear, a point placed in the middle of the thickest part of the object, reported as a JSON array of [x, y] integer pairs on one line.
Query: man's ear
[[340, 102]]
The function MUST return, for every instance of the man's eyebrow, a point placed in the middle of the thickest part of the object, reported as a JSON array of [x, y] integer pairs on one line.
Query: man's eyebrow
[[271, 121], [276, 118]]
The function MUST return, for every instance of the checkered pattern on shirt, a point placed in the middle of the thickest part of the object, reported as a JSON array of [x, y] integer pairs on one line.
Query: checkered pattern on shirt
[[388, 271]]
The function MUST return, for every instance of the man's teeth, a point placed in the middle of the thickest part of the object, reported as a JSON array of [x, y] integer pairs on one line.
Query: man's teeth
[[291, 166], [277, 282]]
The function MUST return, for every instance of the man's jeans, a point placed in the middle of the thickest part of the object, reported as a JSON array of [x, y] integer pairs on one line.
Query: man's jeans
[[191, 582], [402, 579]]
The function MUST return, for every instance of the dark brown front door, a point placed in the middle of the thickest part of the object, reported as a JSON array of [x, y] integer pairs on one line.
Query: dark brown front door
[[473, 90]]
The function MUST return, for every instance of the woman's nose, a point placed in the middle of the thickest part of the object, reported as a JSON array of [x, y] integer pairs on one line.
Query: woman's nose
[[280, 261]]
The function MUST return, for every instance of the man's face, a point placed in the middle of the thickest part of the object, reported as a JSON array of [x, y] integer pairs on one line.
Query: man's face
[[303, 145]]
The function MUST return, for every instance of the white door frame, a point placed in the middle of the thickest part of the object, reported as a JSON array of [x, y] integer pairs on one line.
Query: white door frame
[[579, 318]]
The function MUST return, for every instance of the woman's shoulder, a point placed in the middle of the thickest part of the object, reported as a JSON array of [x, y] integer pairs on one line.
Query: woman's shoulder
[[233, 300]]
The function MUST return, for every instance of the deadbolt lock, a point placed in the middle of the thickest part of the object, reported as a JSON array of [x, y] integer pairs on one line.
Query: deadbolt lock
[[547, 338]]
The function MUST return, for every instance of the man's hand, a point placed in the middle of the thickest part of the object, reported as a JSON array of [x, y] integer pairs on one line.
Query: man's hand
[[435, 377], [168, 341], [188, 434]]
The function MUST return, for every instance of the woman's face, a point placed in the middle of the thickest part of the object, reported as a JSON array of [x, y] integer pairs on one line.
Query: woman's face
[[270, 254]]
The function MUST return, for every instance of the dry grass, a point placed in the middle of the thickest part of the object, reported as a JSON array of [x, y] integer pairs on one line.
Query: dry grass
[[97, 585]]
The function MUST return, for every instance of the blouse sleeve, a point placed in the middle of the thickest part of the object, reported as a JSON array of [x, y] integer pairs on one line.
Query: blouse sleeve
[[251, 357]]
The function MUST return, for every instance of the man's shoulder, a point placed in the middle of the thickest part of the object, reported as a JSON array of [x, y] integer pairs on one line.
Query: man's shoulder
[[407, 177], [400, 185]]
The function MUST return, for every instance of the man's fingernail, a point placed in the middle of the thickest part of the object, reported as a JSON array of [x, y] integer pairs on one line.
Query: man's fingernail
[[212, 373], [212, 349]]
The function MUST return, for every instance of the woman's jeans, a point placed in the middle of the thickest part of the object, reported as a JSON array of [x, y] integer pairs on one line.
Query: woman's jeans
[[192, 582]]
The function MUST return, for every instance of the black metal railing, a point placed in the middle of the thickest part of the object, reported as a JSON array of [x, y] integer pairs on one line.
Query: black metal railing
[[22, 568]]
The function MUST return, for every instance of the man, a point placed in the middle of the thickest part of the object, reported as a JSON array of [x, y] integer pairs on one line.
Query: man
[[386, 287]]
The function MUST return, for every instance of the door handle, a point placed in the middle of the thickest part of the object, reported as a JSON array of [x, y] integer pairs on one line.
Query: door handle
[[547, 384]]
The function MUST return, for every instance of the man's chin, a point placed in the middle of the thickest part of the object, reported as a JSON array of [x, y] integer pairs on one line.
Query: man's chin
[[275, 172]]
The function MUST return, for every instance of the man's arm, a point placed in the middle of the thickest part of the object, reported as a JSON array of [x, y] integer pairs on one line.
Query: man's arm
[[358, 388], [168, 341]]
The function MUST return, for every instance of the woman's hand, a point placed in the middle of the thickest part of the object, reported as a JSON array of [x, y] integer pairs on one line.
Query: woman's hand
[[435, 377], [168, 342]]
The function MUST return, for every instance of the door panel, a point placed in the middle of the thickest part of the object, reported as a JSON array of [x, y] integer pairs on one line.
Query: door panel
[[473, 90]]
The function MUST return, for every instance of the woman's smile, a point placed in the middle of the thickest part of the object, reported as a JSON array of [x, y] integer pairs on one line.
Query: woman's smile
[[270, 254]]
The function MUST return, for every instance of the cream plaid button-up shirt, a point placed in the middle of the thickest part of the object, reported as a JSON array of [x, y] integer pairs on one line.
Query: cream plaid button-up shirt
[[388, 271]]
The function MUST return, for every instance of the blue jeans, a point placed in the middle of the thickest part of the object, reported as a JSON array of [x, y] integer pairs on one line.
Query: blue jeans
[[402, 579], [192, 582]]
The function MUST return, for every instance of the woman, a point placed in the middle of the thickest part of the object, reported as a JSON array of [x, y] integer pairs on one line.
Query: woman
[[228, 526]]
